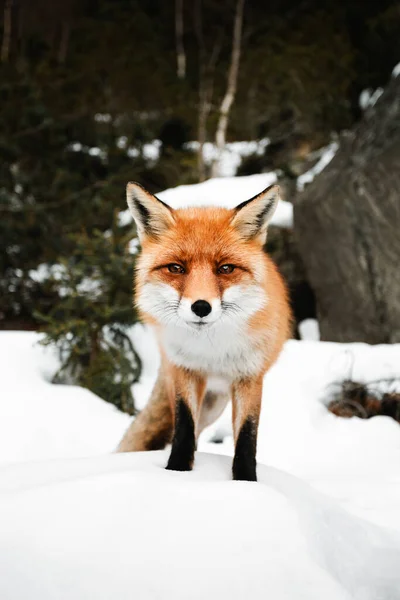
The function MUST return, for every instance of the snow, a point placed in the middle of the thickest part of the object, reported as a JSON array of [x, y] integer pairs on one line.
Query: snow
[[369, 97], [128, 528], [396, 70], [91, 150], [39, 420], [79, 522], [88, 286], [326, 157], [309, 330], [355, 461], [151, 151], [76, 146], [95, 151], [103, 117], [46, 271], [122, 142], [231, 156], [222, 191]]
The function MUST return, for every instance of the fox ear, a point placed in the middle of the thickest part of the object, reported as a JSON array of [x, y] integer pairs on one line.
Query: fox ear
[[151, 215], [251, 217]]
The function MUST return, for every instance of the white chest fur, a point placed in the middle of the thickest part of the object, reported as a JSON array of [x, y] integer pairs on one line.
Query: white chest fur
[[221, 350]]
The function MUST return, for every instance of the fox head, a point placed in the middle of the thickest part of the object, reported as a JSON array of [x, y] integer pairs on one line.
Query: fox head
[[200, 266]]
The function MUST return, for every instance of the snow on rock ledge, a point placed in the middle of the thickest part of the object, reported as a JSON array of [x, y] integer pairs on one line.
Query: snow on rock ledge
[[123, 527], [396, 70], [326, 157]]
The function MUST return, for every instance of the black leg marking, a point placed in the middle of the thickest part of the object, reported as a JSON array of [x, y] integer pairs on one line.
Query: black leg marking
[[183, 443], [244, 462]]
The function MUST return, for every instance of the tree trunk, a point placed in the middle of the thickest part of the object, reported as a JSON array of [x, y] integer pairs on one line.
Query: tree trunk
[[347, 223], [63, 48], [6, 44], [220, 136], [203, 112], [180, 50], [206, 85]]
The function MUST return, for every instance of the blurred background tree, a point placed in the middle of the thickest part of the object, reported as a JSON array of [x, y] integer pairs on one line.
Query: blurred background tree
[[90, 319], [86, 85]]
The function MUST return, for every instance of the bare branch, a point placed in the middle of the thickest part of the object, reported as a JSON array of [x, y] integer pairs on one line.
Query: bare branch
[[226, 104], [206, 83]]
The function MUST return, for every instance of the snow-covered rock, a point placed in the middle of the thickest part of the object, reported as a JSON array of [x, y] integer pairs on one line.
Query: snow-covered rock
[[396, 70], [369, 97], [326, 157]]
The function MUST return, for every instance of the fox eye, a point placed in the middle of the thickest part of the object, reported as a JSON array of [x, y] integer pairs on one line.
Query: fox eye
[[225, 269], [174, 268]]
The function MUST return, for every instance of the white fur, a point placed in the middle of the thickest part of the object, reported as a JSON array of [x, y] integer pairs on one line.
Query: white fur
[[222, 347], [249, 299], [193, 404], [219, 385], [209, 414], [161, 301], [238, 419]]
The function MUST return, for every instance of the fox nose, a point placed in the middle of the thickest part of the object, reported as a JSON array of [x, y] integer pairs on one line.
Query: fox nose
[[201, 308]]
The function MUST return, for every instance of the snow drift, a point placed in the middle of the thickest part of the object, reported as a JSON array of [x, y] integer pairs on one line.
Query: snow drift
[[122, 527], [40, 420]]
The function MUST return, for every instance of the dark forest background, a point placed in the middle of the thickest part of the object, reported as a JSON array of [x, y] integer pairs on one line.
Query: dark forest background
[[84, 85]]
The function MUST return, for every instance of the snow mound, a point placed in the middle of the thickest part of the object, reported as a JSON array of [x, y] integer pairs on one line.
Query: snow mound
[[123, 527], [355, 461], [223, 191]]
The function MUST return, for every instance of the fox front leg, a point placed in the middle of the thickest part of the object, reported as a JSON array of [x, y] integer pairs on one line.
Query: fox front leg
[[246, 406], [189, 396]]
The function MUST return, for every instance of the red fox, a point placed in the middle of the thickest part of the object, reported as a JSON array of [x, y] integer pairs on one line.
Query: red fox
[[220, 312]]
